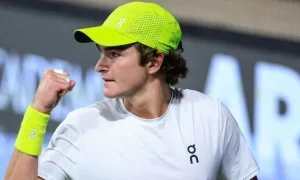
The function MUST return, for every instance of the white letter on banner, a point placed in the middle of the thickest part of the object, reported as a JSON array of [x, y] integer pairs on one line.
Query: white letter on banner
[[10, 82], [3, 95], [224, 82], [277, 135]]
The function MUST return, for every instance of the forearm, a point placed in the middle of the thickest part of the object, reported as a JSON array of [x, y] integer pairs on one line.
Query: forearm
[[28, 146], [22, 166]]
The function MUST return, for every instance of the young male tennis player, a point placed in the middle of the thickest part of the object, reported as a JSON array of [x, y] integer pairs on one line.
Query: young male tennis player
[[145, 129]]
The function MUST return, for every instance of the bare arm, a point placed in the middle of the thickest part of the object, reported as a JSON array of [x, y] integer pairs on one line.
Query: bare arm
[[22, 166], [51, 88]]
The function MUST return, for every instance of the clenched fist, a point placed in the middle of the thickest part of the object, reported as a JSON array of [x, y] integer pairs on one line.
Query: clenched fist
[[52, 87]]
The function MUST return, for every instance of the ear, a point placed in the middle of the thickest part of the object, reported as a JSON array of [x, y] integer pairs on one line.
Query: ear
[[155, 65]]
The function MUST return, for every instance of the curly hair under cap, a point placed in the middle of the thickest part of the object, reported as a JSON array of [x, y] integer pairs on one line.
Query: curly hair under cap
[[173, 66]]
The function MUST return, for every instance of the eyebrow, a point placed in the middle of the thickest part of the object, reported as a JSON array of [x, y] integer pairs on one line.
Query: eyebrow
[[118, 48]]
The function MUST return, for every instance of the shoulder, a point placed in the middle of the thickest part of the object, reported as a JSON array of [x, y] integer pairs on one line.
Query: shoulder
[[97, 108], [210, 110], [196, 95], [93, 115], [201, 101], [208, 107]]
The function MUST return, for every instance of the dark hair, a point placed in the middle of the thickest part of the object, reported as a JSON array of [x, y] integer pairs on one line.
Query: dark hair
[[173, 66]]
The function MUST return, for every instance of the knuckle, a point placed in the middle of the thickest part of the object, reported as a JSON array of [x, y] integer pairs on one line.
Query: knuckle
[[60, 85], [51, 83], [49, 76], [47, 72], [66, 86]]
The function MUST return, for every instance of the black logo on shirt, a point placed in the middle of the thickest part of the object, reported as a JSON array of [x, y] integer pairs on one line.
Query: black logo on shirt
[[192, 149]]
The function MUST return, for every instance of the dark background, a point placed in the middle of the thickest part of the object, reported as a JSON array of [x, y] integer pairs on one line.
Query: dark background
[[46, 29]]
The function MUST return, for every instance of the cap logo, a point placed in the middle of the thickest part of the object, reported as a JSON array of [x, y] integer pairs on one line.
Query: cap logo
[[121, 22]]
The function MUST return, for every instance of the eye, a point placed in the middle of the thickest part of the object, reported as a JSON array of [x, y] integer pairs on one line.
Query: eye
[[115, 54]]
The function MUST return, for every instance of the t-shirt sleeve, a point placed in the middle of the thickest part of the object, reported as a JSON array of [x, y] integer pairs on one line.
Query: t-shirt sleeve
[[238, 162], [58, 161]]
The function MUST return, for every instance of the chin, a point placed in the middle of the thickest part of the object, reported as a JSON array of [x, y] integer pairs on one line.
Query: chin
[[109, 94], [115, 94]]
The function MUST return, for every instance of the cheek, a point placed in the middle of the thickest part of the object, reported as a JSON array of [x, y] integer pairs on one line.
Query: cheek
[[132, 76]]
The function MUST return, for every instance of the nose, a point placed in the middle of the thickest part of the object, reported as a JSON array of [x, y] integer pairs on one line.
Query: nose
[[102, 64]]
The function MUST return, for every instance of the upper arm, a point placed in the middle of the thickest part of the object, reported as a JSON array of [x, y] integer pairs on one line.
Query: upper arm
[[238, 161], [59, 160]]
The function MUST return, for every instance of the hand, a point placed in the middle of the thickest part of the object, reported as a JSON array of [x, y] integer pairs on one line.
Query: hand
[[53, 86]]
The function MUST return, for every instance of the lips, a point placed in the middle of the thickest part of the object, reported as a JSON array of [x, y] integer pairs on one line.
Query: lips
[[107, 80]]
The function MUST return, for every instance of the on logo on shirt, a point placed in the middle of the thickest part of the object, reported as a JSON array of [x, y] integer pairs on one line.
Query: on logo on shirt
[[192, 150]]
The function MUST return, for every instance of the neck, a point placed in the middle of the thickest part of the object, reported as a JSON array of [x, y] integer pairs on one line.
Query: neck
[[151, 101]]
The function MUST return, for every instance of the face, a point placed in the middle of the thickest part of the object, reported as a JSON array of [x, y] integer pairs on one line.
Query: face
[[121, 73]]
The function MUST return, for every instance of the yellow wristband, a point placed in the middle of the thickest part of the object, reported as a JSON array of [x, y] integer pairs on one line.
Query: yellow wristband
[[32, 131]]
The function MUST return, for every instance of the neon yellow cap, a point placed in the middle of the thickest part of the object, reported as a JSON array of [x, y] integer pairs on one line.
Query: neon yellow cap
[[146, 23]]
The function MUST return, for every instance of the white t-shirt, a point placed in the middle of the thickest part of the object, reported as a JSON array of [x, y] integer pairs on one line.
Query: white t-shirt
[[196, 138]]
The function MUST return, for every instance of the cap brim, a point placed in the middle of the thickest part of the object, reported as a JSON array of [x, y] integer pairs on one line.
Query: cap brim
[[102, 35]]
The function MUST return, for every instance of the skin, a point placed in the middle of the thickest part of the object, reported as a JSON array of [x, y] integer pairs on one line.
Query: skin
[[51, 89], [145, 94]]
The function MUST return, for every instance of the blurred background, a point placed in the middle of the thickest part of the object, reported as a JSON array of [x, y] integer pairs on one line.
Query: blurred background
[[247, 53]]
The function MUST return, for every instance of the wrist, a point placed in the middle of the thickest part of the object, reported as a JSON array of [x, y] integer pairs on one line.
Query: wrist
[[32, 131], [40, 109]]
